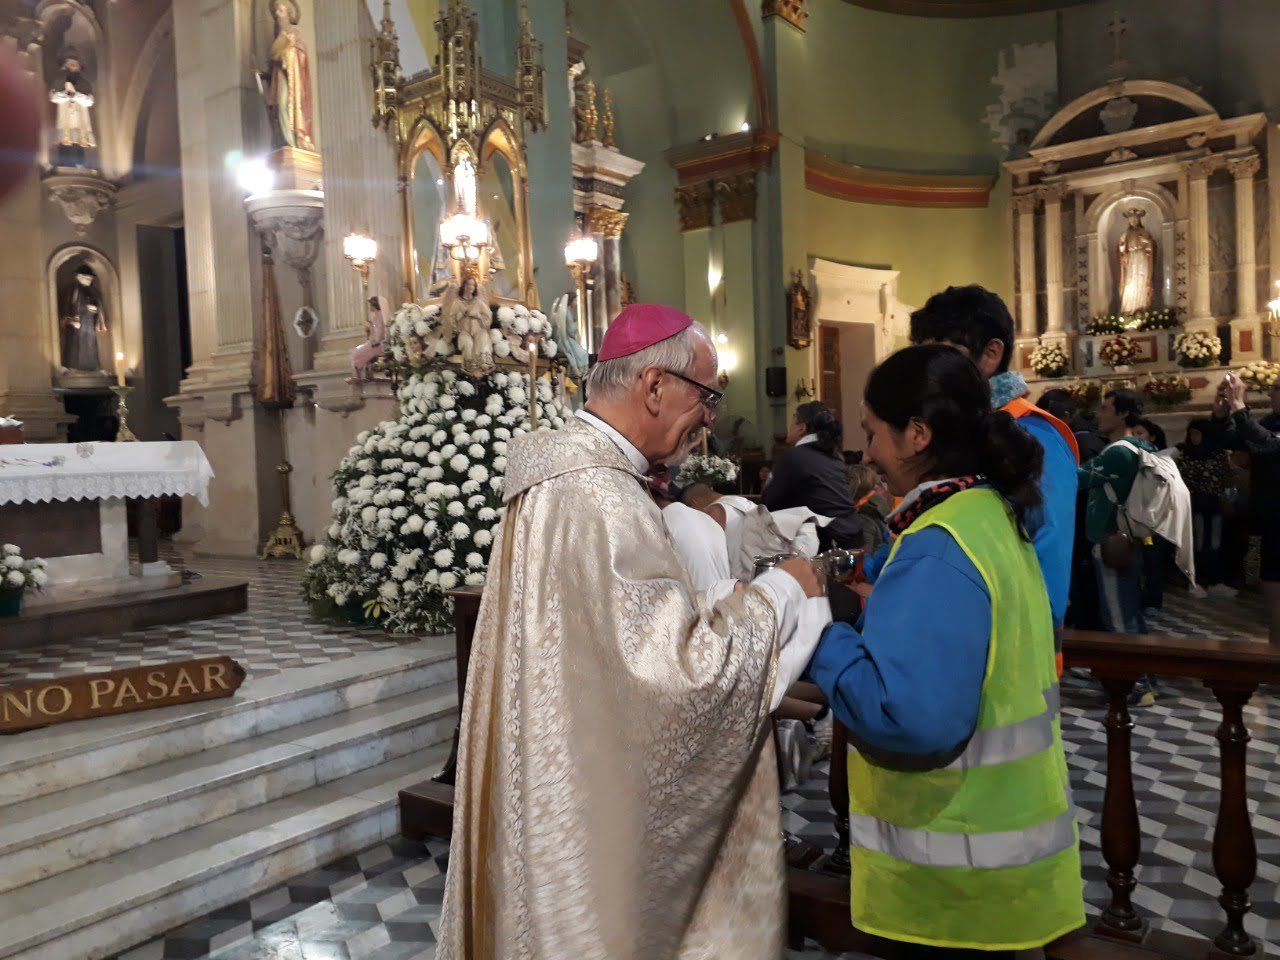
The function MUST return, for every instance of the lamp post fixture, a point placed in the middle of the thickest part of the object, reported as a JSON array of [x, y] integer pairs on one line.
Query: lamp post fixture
[[360, 251], [580, 256], [465, 236]]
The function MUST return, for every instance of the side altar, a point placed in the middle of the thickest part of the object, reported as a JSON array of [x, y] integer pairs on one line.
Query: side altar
[[67, 503]]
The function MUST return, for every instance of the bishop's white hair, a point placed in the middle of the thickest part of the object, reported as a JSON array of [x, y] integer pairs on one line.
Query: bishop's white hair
[[611, 379]]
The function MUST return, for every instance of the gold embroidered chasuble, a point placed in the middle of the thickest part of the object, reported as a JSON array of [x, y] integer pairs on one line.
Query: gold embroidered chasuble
[[617, 791]]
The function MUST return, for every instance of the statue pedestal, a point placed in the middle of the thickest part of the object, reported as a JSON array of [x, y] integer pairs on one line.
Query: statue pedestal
[[296, 169], [1246, 339]]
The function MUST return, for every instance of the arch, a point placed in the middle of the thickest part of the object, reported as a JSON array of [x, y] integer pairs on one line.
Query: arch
[[1149, 89], [110, 281], [499, 138], [1172, 262], [1165, 201], [158, 43]]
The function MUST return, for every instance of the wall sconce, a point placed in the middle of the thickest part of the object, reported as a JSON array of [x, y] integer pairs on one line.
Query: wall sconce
[[360, 251], [806, 391], [255, 177], [728, 363], [580, 256], [465, 236]]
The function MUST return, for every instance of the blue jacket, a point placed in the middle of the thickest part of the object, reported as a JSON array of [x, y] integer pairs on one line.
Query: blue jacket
[[906, 679]]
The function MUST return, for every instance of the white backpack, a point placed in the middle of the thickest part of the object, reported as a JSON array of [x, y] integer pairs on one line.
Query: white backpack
[[1158, 505]]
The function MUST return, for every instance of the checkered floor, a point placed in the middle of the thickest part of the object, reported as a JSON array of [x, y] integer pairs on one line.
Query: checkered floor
[[277, 631], [384, 902]]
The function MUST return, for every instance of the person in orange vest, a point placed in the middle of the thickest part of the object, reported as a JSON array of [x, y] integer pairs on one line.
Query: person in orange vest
[[976, 322]]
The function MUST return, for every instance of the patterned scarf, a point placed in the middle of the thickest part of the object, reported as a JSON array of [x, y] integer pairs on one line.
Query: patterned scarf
[[1007, 386], [926, 497]]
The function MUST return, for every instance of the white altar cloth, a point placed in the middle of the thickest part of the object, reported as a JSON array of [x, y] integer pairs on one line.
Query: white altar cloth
[[32, 472]]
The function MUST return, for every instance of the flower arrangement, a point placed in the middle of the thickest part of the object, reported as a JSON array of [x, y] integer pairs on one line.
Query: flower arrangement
[[702, 468], [1085, 394], [1118, 352], [17, 576], [1197, 349], [419, 498], [1261, 375], [416, 338], [1049, 360], [1105, 323], [1167, 389]]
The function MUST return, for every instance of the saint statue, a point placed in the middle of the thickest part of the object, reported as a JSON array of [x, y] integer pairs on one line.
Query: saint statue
[[564, 330], [1137, 249], [289, 96], [799, 333], [72, 98], [467, 316], [83, 319], [375, 334]]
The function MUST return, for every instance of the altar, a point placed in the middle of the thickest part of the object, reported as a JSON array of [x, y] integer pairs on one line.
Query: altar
[[67, 503]]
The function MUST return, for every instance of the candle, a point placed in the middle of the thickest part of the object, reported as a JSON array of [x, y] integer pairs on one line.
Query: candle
[[119, 369], [704, 441]]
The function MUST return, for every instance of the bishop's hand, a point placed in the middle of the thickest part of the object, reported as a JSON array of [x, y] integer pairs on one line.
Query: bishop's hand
[[811, 581]]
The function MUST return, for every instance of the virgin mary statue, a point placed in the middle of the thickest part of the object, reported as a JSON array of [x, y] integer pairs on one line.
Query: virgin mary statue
[[290, 95], [1137, 250]]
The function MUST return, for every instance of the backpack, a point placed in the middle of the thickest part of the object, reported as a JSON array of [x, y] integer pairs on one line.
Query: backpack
[[1158, 505]]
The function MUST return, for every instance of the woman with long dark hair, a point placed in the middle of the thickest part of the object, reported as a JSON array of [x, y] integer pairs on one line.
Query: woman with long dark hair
[[1206, 468], [813, 474], [962, 832]]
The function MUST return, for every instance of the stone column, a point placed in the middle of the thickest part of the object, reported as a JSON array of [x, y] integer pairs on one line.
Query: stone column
[[28, 344], [1024, 205], [1246, 329], [362, 195], [1053, 259], [1198, 171]]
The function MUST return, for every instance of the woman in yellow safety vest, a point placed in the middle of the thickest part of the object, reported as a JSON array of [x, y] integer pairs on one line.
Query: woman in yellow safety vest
[[961, 827]]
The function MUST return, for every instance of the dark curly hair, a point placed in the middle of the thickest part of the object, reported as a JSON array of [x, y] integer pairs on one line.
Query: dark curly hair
[[818, 419], [970, 317], [939, 386]]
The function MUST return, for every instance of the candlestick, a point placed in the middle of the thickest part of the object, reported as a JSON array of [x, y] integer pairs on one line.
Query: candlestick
[[704, 441], [123, 433], [119, 369]]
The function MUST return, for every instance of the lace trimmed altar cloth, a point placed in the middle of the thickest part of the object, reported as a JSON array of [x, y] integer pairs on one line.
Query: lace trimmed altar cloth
[[35, 472]]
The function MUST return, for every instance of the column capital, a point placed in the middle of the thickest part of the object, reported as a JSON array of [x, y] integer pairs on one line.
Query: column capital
[[1025, 203], [1200, 168], [695, 205], [737, 197], [792, 11], [1051, 192], [605, 220], [1245, 166]]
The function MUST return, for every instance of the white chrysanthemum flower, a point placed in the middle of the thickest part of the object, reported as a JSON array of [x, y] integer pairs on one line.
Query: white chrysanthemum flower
[[348, 557], [520, 326], [499, 463], [483, 420], [487, 515], [474, 560], [477, 500], [333, 531], [435, 473], [389, 590], [421, 449], [378, 560], [460, 531], [480, 436], [458, 429], [459, 462], [430, 529], [380, 498], [443, 557], [448, 580], [468, 415], [548, 348], [369, 514], [447, 402], [399, 513], [439, 437], [474, 579], [362, 436], [517, 395], [502, 433], [13, 562], [467, 389], [476, 451], [456, 509], [431, 577], [414, 523], [450, 490], [384, 513], [447, 451], [366, 481], [502, 348], [395, 495], [478, 472], [496, 484], [435, 458], [435, 490], [398, 572], [411, 586], [318, 552], [468, 488], [38, 577], [505, 315], [482, 538]]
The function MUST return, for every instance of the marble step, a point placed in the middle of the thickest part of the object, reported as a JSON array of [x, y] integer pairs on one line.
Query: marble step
[[103, 908], [47, 835], [41, 762]]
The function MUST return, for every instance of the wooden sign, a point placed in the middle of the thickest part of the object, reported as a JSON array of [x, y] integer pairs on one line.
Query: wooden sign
[[26, 706]]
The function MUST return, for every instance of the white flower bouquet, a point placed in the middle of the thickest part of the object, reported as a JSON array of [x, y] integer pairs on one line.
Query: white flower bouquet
[[1049, 360], [1261, 375], [17, 576], [1118, 352], [1167, 389], [419, 497], [1197, 349], [700, 468]]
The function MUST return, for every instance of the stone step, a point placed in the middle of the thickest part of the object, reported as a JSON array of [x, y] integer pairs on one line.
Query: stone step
[[47, 835], [103, 908], [41, 762]]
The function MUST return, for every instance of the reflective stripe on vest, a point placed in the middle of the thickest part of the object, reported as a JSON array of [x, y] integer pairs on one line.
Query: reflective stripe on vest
[[1006, 744], [982, 851]]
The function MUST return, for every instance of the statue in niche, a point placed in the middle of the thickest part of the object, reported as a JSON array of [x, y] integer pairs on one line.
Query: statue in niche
[[1137, 253], [564, 330], [799, 325], [72, 98], [289, 79], [84, 319], [466, 315], [375, 335]]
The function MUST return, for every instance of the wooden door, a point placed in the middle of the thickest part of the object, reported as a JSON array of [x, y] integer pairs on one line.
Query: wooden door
[[829, 367]]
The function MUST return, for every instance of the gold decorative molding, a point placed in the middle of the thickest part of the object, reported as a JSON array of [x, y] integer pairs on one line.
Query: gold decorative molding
[[722, 157], [792, 11], [964, 8], [606, 122], [736, 196], [605, 220], [845, 181], [695, 205]]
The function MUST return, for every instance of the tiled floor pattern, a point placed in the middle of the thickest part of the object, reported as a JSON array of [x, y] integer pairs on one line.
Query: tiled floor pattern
[[383, 903], [276, 632]]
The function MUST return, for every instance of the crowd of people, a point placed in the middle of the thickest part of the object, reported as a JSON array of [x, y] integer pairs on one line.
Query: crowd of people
[[617, 791]]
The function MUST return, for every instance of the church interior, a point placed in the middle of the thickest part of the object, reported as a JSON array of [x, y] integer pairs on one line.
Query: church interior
[[266, 249]]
